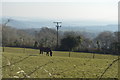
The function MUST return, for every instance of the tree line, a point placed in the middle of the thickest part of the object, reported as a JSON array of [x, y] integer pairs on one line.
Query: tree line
[[106, 42]]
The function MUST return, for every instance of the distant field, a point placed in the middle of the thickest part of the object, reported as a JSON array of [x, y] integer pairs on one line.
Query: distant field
[[18, 62]]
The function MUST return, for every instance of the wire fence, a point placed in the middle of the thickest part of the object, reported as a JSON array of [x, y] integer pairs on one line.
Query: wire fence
[[40, 67]]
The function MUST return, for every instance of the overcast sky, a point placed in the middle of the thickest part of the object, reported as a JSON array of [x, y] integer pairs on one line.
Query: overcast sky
[[98, 10]]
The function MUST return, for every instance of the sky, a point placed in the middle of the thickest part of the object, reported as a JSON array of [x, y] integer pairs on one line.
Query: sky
[[75, 10]]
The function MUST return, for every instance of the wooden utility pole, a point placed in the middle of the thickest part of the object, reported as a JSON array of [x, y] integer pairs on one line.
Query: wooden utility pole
[[57, 26]]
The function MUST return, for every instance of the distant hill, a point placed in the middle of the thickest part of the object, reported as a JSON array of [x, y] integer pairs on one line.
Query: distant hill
[[19, 24], [27, 24]]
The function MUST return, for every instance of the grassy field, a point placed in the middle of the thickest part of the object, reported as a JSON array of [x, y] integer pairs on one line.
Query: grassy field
[[20, 63]]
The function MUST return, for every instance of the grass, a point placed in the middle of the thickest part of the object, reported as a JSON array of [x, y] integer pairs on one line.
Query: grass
[[79, 65]]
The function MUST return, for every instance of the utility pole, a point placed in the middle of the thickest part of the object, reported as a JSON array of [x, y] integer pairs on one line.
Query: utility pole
[[57, 26]]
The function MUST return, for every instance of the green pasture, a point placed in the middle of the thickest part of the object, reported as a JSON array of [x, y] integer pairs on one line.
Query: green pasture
[[28, 63]]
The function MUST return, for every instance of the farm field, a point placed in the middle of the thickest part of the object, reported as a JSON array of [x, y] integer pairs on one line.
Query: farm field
[[28, 63]]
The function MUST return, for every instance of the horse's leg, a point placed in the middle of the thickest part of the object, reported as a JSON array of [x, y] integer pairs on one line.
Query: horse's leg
[[47, 53], [50, 53], [40, 51]]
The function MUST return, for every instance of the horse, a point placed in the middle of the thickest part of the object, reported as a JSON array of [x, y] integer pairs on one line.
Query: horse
[[46, 49]]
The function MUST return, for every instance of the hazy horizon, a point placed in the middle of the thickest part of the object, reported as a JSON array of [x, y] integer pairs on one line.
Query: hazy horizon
[[86, 12], [64, 22]]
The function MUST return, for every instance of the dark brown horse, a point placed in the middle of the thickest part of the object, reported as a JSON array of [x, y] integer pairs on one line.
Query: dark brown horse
[[47, 50]]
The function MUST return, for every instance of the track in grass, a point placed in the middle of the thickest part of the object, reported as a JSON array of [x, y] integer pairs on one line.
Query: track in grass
[[41, 66]]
